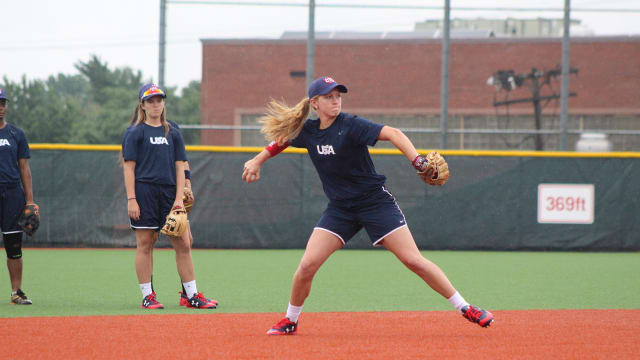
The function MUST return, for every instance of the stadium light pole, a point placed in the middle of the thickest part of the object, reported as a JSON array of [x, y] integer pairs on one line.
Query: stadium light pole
[[444, 86], [163, 42], [564, 89], [311, 42]]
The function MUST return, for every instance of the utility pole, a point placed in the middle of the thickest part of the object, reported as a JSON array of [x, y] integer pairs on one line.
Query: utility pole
[[444, 81], [311, 35], [163, 43], [564, 89], [535, 91]]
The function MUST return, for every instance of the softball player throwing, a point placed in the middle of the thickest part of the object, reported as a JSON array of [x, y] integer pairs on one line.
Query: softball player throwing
[[154, 162], [337, 144], [14, 170]]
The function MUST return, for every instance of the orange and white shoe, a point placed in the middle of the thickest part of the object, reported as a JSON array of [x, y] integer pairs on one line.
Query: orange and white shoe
[[477, 315], [283, 327]]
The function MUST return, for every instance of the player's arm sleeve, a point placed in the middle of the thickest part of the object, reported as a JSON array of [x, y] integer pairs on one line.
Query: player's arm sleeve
[[174, 124], [299, 141], [23, 146], [130, 145], [179, 148], [363, 131]]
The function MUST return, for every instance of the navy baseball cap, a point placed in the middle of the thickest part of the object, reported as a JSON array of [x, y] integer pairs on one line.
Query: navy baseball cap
[[150, 90], [3, 94], [323, 86]]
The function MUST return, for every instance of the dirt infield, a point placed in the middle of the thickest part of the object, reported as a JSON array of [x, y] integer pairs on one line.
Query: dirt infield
[[556, 334]]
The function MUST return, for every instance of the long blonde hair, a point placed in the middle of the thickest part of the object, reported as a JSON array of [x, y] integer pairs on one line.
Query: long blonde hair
[[139, 116], [282, 123]]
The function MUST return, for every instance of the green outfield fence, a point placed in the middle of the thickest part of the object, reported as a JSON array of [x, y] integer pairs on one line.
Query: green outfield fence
[[490, 202]]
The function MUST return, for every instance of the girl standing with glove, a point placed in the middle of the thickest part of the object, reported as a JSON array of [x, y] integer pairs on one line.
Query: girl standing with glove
[[154, 156]]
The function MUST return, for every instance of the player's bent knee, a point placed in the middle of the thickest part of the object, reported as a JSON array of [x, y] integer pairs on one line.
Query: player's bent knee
[[415, 264], [307, 269], [13, 245]]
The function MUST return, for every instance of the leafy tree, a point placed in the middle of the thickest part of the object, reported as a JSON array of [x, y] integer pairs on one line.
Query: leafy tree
[[101, 78], [93, 107], [40, 111], [185, 110]]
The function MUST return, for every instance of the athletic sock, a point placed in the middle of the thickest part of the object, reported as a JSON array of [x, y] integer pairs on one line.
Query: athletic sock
[[293, 312], [457, 301], [146, 289], [190, 288]]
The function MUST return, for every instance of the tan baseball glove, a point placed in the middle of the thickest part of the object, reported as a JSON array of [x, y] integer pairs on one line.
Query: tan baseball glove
[[435, 170], [187, 199], [176, 222]]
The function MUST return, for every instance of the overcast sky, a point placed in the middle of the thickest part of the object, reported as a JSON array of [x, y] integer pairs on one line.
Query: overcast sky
[[42, 37]]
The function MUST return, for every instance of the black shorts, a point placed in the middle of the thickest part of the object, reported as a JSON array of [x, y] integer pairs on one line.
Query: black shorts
[[12, 202], [155, 202], [379, 214]]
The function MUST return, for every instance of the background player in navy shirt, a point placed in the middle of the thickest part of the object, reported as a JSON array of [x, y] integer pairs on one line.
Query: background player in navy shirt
[[338, 147], [154, 156], [188, 193], [14, 171]]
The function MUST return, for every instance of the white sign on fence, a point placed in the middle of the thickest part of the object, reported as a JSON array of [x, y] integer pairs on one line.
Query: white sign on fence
[[565, 203]]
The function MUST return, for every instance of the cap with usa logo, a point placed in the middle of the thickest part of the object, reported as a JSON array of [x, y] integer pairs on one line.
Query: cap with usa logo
[[150, 90], [323, 86], [3, 94]]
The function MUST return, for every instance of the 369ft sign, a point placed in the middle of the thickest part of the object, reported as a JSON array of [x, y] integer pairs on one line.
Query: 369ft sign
[[566, 203]]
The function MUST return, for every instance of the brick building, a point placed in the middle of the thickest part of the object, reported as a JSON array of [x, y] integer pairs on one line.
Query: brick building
[[397, 82]]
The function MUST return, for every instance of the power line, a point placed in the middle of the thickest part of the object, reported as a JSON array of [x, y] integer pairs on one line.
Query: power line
[[93, 44], [400, 7]]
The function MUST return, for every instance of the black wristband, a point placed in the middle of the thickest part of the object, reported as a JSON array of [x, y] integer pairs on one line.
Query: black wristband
[[187, 175]]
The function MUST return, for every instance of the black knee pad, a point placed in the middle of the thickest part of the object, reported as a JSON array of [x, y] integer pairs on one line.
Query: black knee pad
[[13, 245]]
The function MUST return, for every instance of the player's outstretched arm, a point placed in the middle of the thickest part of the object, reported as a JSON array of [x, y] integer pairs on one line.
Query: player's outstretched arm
[[399, 140], [251, 172]]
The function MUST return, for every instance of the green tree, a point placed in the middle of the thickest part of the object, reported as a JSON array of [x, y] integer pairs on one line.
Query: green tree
[[102, 79], [41, 111], [92, 107], [185, 110]]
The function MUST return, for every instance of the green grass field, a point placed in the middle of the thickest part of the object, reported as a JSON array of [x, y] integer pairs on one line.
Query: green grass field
[[103, 282]]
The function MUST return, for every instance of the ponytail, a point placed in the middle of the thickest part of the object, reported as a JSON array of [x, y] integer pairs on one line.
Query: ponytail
[[282, 123]]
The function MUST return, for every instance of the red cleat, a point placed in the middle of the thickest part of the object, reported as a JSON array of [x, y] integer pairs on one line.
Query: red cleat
[[198, 301], [477, 315], [150, 302], [184, 300], [283, 327]]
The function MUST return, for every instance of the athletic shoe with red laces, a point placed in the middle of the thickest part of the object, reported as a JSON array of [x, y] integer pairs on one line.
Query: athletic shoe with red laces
[[284, 327], [184, 300], [150, 302], [477, 315], [200, 302]]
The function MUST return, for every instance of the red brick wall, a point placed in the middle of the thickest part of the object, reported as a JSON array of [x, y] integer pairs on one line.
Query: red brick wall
[[405, 74]]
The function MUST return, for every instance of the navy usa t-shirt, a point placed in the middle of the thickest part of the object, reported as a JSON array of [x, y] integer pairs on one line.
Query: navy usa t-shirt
[[13, 146], [155, 155], [340, 154]]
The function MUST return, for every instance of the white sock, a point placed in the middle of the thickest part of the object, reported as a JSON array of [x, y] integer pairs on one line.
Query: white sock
[[457, 301], [293, 312], [190, 288], [146, 289]]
